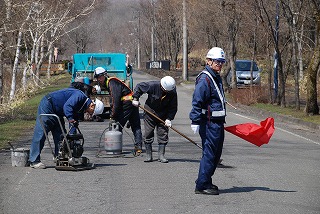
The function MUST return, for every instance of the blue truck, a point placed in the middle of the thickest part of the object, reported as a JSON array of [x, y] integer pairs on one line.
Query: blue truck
[[83, 66]]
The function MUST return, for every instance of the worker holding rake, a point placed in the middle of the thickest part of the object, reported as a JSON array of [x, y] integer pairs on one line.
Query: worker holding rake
[[162, 103]]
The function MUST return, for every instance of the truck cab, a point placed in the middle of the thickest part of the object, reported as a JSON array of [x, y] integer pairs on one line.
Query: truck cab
[[116, 64]]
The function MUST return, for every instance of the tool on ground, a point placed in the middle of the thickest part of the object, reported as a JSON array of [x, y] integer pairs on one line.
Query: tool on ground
[[152, 114], [70, 153]]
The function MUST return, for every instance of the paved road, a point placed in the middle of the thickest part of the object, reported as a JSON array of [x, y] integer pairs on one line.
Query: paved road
[[280, 177]]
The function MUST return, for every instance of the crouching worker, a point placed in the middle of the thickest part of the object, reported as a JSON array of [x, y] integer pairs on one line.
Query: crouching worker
[[162, 101], [122, 109], [70, 103]]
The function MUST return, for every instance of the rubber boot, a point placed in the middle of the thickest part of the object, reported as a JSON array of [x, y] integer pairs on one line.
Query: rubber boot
[[148, 153], [162, 148]]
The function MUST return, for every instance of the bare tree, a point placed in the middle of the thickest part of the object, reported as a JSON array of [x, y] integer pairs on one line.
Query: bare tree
[[232, 22], [5, 17], [265, 15], [48, 21], [312, 102], [18, 48], [291, 12]]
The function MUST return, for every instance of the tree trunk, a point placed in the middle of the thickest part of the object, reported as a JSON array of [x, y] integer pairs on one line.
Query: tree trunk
[[24, 77], [39, 64], [282, 83], [295, 68], [312, 107], [15, 66], [299, 43], [50, 51]]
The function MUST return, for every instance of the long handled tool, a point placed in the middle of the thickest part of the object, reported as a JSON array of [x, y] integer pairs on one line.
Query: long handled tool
[[149, 112]]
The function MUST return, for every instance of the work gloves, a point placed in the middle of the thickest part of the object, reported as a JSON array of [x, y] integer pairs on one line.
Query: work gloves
[[97, 89], [168, 123], [135, 102], [195, 128]]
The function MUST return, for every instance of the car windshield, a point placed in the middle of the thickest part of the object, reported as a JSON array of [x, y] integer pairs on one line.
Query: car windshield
[[245, 66]]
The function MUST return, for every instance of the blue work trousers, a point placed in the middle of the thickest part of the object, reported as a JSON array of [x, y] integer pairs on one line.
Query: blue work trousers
[[212, 136], [50, 123]]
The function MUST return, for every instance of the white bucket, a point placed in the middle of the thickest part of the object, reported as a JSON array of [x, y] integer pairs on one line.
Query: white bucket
[[20, 157]]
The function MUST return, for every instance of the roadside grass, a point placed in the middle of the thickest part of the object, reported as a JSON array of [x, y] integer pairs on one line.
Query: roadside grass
[[289, 111], [21, 119], [258, 98], [13, 130]]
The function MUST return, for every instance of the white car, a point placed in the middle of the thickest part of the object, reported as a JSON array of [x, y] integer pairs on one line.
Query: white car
[[243, 71]]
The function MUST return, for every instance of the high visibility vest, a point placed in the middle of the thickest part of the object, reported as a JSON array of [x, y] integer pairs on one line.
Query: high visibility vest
[[126, 97], [216, 113]]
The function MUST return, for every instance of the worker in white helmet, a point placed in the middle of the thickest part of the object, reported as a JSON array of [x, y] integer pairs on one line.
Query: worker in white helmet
[[122, 110], [70, 103], [162, 101], [208, 117]]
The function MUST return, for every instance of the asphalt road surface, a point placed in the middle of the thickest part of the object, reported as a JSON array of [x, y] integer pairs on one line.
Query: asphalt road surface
[[280, 177]]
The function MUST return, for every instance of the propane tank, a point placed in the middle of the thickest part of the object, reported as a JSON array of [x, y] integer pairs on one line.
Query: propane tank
[[113, 140]]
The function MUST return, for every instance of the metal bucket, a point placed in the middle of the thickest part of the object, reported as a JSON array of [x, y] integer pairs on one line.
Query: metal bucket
[[113, 140], [20, 157]]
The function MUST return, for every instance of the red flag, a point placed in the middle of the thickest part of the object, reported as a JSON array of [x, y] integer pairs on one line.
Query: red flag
[[253, 133]]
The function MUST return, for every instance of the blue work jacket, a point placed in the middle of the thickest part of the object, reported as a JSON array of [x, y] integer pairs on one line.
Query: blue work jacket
[[69, 102], [206, 102]]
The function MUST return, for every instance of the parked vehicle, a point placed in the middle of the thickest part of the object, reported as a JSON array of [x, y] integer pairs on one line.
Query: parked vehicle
[[243, 72]]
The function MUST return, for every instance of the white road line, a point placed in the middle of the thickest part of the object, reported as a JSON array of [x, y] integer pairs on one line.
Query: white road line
[[307, 139]]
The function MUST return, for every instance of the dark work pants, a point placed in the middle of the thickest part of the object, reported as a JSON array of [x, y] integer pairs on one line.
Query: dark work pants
[[212, 136], [150, 125], [132, 115]]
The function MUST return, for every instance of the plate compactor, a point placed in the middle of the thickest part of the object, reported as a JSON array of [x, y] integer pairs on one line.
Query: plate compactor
[[69, 157]]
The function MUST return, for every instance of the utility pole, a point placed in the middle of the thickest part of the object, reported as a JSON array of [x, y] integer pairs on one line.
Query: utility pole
[[152, 32], [185, 43], [139, 60], [137, 36]]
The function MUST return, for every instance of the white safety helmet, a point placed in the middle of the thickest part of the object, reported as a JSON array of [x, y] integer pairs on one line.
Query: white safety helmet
[[98, 88], [98, 109], [99, 71], [168, 83], [216, 53]]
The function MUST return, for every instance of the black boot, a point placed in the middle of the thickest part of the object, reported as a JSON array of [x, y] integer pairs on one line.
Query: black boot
[[162, 148], [148, 152]]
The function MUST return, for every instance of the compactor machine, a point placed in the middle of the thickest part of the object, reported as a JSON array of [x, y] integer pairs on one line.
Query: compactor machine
[[69, 157]]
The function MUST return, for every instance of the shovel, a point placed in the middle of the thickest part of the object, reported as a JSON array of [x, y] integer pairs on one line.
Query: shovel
[[149, 112]]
